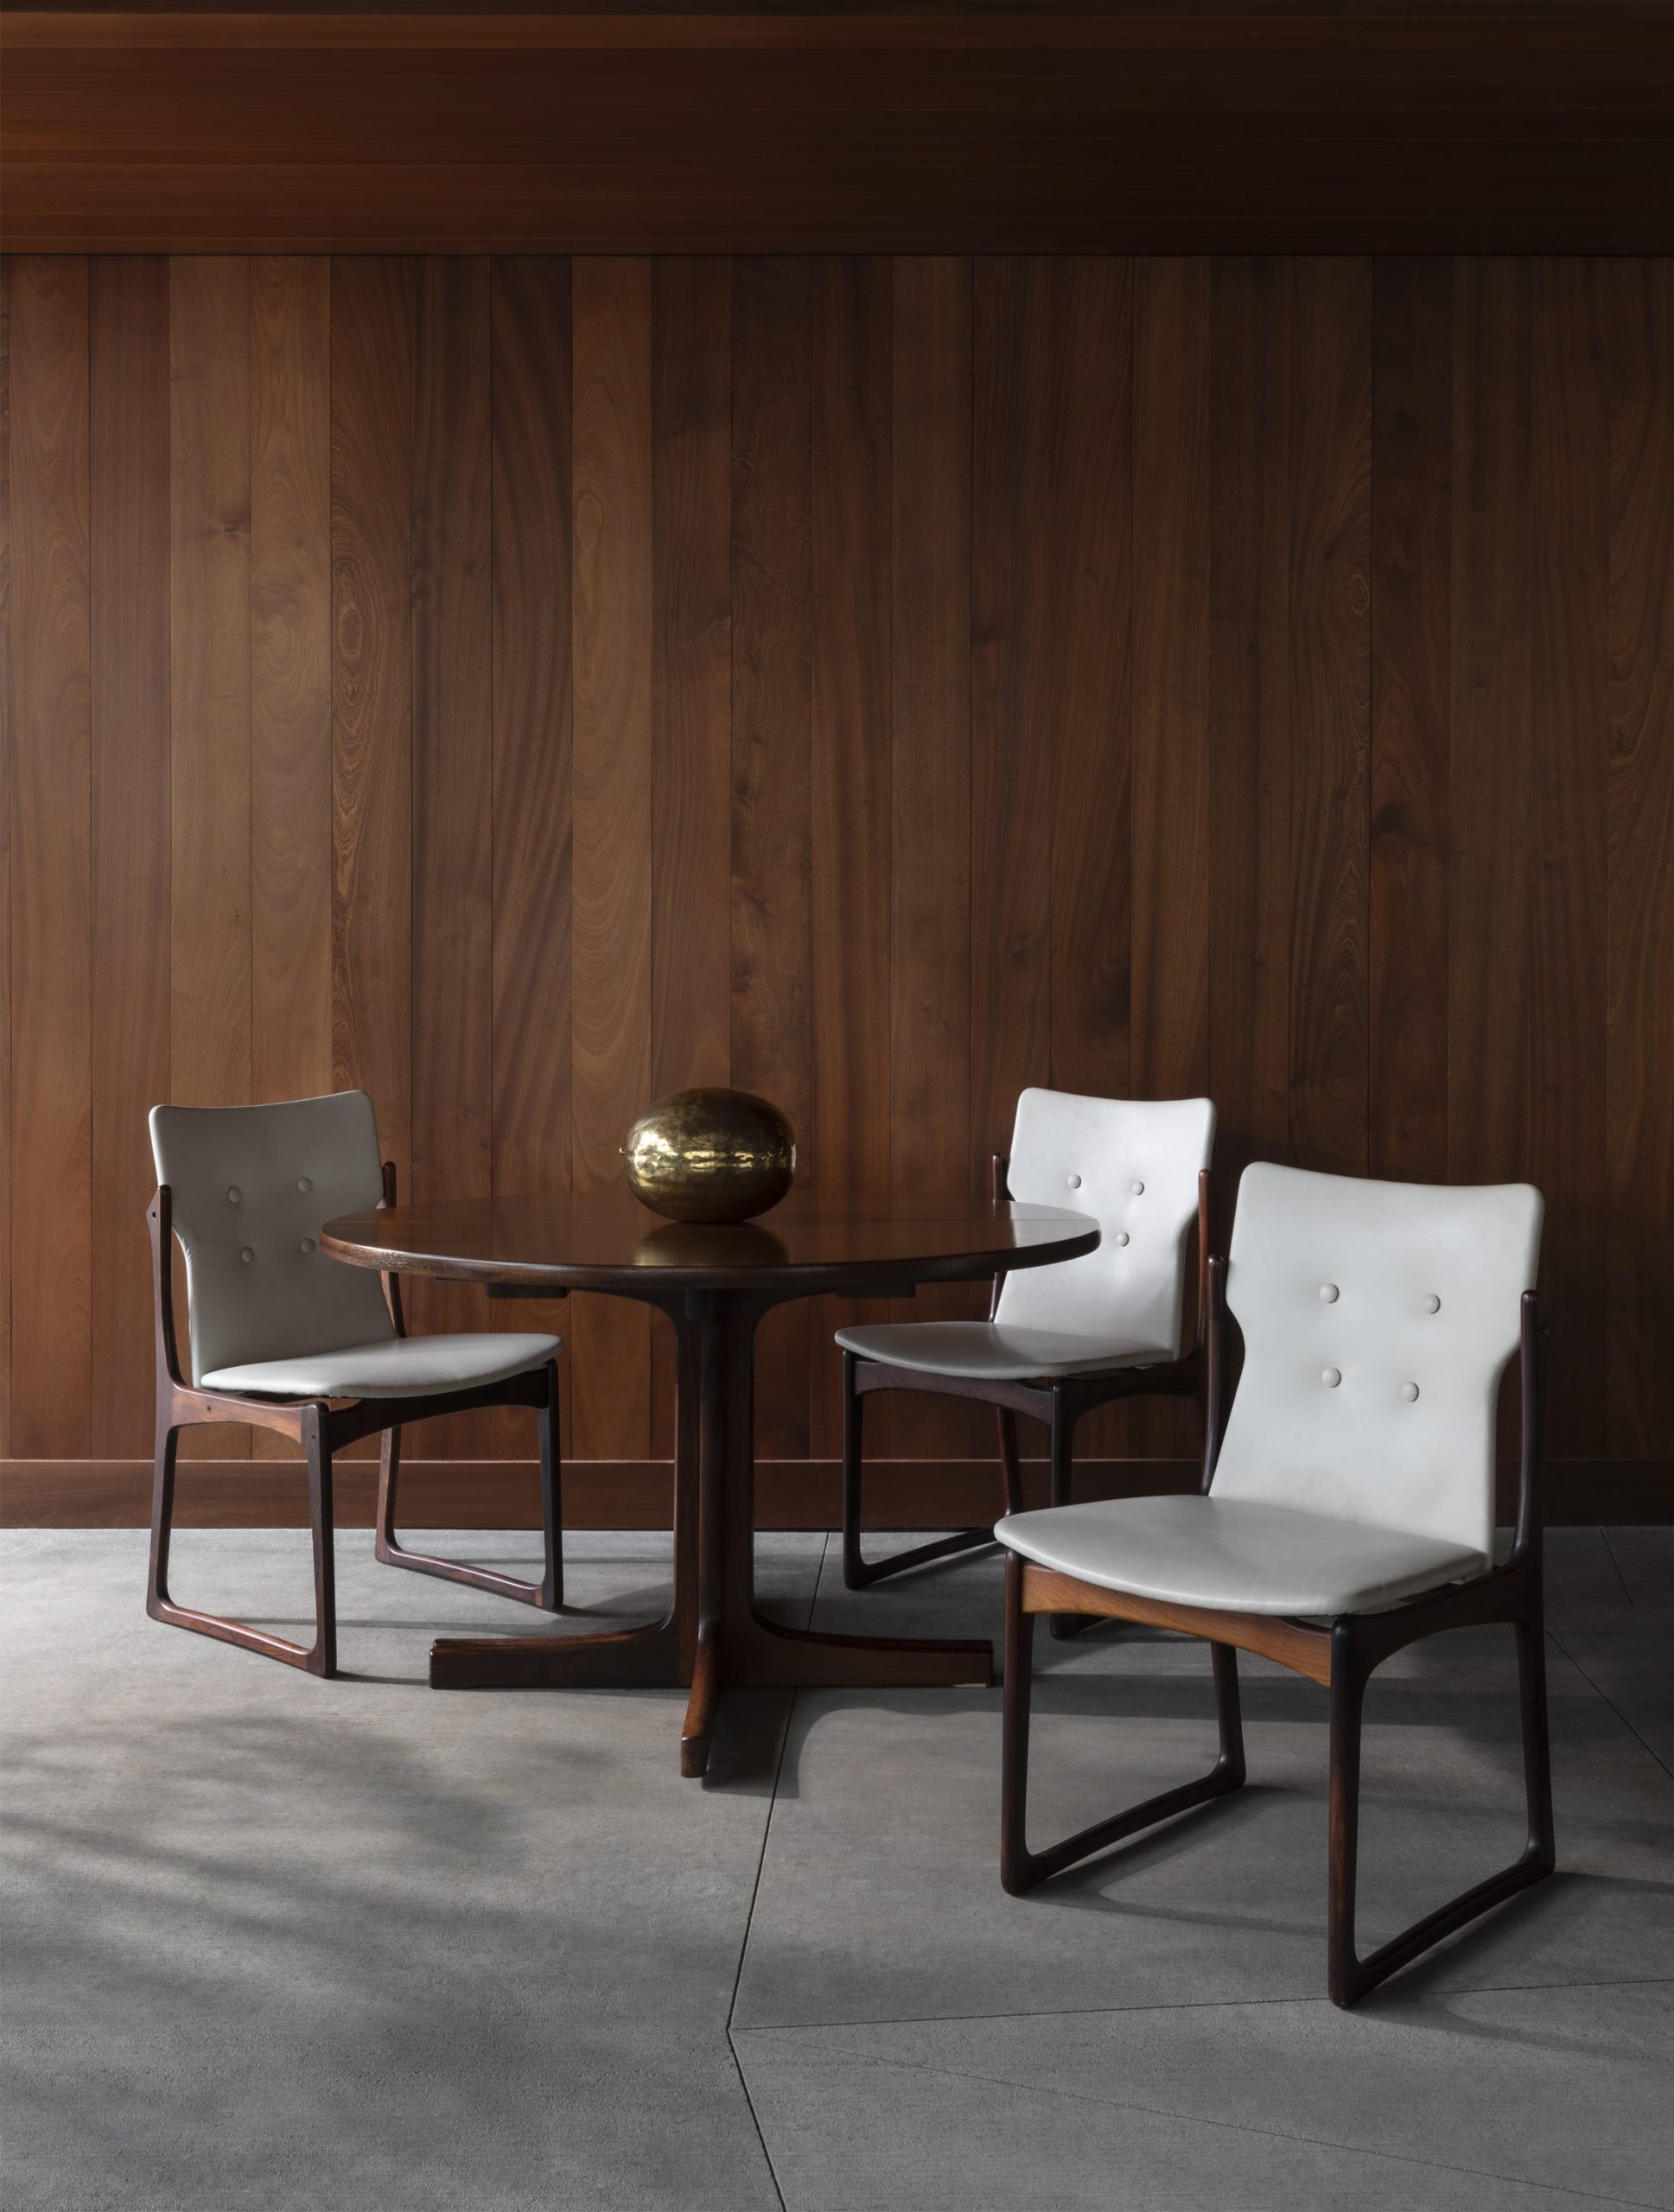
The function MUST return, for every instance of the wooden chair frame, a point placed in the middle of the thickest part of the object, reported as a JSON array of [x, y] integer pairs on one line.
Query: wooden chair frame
[[1059, 1405], [322, 1426], [1341, 1658]]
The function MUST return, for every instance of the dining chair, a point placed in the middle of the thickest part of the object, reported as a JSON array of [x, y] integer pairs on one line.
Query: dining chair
[[1347, 1507], [1062, 1339], [283, 1337]]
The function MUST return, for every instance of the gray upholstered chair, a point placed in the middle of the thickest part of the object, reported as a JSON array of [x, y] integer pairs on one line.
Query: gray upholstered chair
[[283, 1337], [1063, 1339], [1348, 1505]]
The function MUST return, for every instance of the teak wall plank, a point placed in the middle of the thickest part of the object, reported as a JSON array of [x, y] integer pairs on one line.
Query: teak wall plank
[[1639, 767], [692, 702], [1412, 644], [1330, 712], [772, 720], [849, 1147], [128, 375], [930, 1043], [531, 765], [8, 734], [51, 862], [611, 594], [452, 801]]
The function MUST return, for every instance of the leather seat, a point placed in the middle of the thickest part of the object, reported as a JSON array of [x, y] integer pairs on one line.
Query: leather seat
[[397, 1367], [992, 1352], [1236, 1554]]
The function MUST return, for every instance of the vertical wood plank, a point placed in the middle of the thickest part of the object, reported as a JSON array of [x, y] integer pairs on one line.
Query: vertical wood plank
[[1639, 1135], [611, 988], [1570, 656], [771, 716], [1411, 640], [1171, 719], [452, 791], [129, 496], [1253, 313], [51, 861], [692, 702], [290, 676], [371, 432], [532, 765], [1331, 714], [851, 758], [930, 939], [8, 762]]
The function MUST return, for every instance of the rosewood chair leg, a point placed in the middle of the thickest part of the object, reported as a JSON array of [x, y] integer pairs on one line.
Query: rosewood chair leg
[[1010, 1468], [1063, 1625], [162, 1521], [551, 1497], [1022, 1868], [1348, 1976], [859, 1573], [322, 1658]]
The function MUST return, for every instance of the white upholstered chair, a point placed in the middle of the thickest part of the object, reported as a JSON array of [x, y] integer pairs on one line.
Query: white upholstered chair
[[1347, 1507], [1063, 1339], [283, 1337]]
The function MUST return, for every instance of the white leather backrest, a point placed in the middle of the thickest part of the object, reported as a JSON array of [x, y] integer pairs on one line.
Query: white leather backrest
[[1133, 1164], [1377, 1319], [251, 1186]]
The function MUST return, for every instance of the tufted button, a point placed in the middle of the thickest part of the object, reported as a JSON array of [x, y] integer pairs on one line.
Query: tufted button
[[1331, 1377], [1139, 1190], [1409, 1391], [1328, 1293], [246, 1256], [1074, 1182], [1121, 1236], [1432, 1304], [234, 1195], [308, 1243], [303, 1183]]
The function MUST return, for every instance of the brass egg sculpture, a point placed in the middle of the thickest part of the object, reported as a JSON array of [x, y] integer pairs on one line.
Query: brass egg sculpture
[[710, 1155]]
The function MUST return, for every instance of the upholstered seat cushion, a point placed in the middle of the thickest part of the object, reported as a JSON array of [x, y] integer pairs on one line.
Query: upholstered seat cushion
[[990, 1351], [401, 1367], [1235, 1555]]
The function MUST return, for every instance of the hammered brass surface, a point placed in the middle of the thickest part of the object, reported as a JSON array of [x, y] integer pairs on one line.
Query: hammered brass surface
[[710, 1155]]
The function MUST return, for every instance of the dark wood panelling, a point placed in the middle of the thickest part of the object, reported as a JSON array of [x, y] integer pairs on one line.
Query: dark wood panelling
[[532, 424], [8, 731], [1143, 130], [610, 1003], [128, 329], [52, 1102], [1145, 677], [1411, 640], [772, 720], [1639, 1136]]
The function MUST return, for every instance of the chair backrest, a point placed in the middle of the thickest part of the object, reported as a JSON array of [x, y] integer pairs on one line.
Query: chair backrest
[[250, 1187], [1377, 1319], [1133, 1164]]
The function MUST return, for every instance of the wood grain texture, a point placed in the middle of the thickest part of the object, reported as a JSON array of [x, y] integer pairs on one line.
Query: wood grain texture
[[290, 676], [930, 928], [1411, 646], [1639, 897], [7, 757], [850, 769], [50, 1337], [131, 789], [610, 1003], [532, 765], [1330, 692], [452, 776], [692, 702], [772, 716]]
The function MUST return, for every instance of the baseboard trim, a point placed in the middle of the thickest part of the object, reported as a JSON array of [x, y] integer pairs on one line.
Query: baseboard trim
[[637, 1493]]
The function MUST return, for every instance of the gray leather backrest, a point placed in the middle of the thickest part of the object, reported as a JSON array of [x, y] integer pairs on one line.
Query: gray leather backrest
[[1377, 1319], [1133, 1164], [251, 1186]]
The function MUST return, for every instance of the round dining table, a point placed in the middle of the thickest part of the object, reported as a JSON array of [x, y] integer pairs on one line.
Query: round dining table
[[715, 1284]]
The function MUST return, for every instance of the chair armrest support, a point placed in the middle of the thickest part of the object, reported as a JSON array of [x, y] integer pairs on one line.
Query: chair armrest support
[[1214, 1385], [391, 1282], [1535, 1337], [159, 1217]]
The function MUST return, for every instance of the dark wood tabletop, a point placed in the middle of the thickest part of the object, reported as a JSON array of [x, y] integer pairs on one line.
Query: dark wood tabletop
[[607, 1240]]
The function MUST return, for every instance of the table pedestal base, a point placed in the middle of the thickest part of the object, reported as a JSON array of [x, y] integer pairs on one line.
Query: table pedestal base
[[712, 1634]]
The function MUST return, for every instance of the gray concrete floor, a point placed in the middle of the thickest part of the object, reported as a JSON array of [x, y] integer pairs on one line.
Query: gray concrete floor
[[277, 1944]]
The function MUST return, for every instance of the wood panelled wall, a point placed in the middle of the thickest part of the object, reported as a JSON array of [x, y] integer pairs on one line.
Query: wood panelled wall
[[522, 687]]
